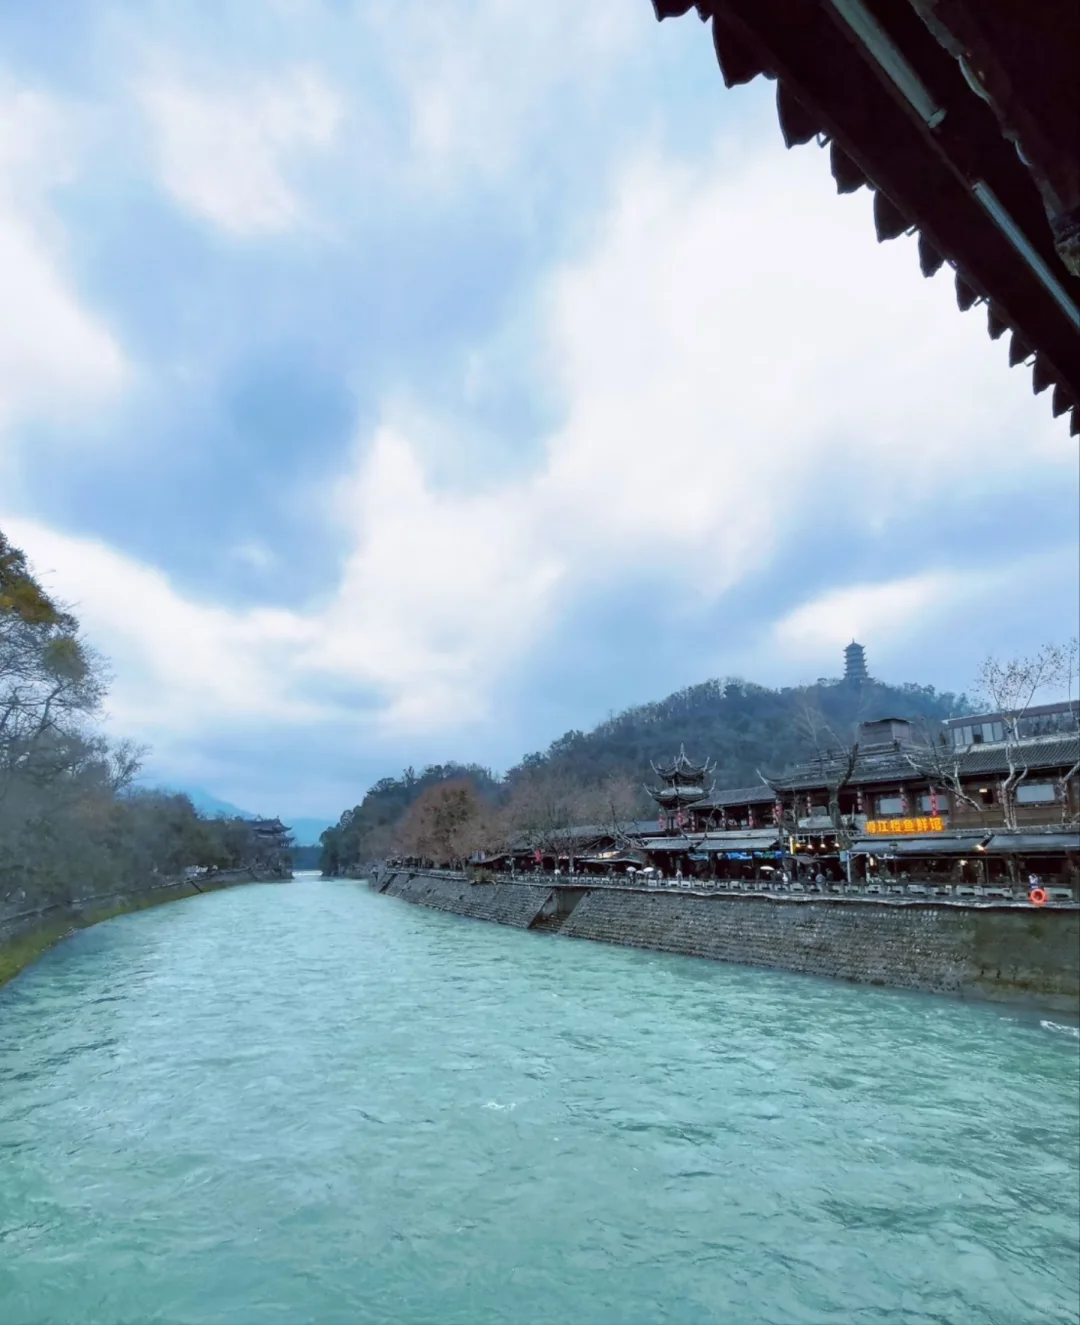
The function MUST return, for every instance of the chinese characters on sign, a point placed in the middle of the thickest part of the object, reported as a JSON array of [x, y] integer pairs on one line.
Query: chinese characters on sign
[[932, 824]]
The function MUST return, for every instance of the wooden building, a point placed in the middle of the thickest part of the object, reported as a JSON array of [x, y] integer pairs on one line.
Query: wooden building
[[273, 843], [682, 787], [891, 796]]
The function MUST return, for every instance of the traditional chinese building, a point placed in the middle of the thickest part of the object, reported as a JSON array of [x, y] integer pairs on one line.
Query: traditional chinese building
[[272, 843], [899, 794], [855, 673], [683, 787]]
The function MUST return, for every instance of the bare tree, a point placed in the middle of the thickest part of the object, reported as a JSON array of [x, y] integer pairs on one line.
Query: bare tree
[[1070, 677], [546, 812], [1009, 688], [446, 824], [612, 807], [124, 762], [938, 760], [834, 758], [833, 761]]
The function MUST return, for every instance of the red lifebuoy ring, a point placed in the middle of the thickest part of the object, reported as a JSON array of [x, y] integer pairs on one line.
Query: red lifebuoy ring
[[1037, 897]]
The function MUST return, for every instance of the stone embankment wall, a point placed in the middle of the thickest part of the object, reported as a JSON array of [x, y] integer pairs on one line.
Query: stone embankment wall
[[991, 952], [502, 903], [1007, 953], [25, 933]]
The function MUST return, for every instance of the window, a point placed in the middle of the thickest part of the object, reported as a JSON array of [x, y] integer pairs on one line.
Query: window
[[925, 806], [986, 795], [890, 805], [1035, 793], [978, 733]]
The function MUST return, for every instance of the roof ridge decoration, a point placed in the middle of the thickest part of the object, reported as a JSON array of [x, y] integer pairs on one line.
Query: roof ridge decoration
[[891, 91], [682, 766]]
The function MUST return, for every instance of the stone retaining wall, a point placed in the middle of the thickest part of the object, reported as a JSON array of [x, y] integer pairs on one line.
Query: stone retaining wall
[[1008, 953], [502, 903], [991, 952]]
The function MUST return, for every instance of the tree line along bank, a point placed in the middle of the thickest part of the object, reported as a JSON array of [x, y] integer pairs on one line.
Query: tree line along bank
[[73, 820]]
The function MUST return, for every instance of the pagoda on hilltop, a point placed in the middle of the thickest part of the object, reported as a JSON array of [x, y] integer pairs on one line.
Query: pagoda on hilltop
[[855, 673], [684, 786]]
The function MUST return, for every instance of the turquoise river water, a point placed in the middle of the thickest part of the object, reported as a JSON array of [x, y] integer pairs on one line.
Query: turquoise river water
[[304, 1103]]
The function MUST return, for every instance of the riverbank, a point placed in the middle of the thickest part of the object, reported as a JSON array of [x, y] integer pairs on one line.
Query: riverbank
[[26, 935], [1003, 952]]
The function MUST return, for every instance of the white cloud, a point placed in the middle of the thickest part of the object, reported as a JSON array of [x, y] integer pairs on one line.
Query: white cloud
[[721, 368], [482, 81], [225, 152], [734, 346], [885, 611], [441, 592], [179, 664], [56, 358]]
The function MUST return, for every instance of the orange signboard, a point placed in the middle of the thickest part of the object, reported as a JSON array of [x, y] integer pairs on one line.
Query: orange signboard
[[932, 824]]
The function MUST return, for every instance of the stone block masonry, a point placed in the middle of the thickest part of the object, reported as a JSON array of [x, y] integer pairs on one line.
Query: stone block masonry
[[1005, 953], [1000, 953], [502, 903]]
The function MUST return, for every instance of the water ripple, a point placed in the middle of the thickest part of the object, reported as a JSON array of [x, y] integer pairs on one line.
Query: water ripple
[[311, 1104]]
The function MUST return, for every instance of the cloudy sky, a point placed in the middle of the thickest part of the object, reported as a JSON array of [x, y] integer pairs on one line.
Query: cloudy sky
[[389, 382]]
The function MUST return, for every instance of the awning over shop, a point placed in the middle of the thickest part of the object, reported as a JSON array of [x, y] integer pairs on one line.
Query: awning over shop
[[610, 859], [670, 844], [916, 846], [999, 844], [720, 845], [1032, 844]]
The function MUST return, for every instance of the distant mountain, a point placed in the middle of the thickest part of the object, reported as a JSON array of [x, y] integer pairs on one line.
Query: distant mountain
[[306, 831], [212, 806]]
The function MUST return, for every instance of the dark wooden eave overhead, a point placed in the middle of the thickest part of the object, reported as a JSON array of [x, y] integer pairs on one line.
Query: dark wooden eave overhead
[[963, 118]]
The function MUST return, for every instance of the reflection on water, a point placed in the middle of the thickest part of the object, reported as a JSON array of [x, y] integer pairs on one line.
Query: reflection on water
[[306, 1103]]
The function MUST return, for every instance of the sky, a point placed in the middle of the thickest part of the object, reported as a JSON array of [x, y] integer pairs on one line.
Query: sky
[[386, 383]]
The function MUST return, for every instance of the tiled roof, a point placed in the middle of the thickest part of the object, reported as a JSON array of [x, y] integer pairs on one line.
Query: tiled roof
[[904, 764], [755, 795], [1056, 752]]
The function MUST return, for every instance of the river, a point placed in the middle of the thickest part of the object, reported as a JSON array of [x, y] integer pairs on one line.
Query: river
[[306, 1103]]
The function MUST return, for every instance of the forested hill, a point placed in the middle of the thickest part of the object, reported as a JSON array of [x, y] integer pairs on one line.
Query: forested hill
[[742, 726]]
